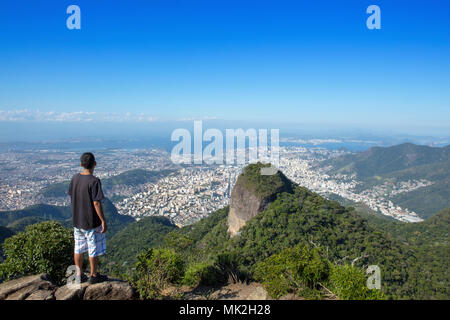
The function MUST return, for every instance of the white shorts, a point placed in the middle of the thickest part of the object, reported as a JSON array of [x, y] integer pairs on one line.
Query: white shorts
[[92, 241]]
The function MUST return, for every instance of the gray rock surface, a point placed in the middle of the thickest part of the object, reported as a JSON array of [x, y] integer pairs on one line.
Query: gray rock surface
[[232, 291], [244, 205], [30, 287], [111, 290], [71, 292], [39, 287]]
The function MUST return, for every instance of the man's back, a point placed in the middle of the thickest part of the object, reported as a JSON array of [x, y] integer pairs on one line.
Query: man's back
[[84, 189], [88, 219]]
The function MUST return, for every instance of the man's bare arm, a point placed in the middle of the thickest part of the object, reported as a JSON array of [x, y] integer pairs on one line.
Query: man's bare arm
[[99, 210]]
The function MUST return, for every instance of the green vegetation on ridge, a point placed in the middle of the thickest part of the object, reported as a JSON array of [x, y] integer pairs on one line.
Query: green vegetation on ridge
[[264, 185]]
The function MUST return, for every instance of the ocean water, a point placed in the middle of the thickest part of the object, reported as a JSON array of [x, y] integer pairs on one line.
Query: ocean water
[[78, 136]]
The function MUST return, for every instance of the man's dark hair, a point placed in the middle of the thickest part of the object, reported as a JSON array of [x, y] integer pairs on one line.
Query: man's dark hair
[[87, 160]]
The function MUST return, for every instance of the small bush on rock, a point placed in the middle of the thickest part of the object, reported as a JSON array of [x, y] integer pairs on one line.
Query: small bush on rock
[[155, 270], [45, 247]]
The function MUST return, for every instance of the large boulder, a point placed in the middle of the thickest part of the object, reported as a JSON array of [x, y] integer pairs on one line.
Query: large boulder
[[252, 193]]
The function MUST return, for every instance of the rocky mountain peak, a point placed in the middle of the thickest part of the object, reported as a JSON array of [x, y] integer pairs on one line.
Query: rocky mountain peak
[[252, 193]]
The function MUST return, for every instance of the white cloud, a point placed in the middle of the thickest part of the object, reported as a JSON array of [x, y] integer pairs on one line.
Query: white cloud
[[77, 116]]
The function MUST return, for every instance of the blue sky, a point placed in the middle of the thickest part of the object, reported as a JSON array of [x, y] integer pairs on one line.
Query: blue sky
[[294, 61]]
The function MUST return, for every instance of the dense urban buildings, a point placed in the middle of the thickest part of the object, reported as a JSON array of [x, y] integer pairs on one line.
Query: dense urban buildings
[[184, 193]]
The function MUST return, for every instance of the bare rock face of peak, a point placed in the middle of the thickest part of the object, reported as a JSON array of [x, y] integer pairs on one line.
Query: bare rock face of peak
[[39, 287], [252, 193], [244, 205]]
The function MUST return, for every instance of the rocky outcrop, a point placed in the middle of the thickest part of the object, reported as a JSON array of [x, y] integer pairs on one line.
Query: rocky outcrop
[[39, 287], [231, 291], [111, 290], [252, 193], [244, 205], [71, 292]]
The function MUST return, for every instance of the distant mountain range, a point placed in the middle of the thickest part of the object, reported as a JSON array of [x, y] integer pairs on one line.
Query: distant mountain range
[[403, 162], [129, 178], [18, 220]]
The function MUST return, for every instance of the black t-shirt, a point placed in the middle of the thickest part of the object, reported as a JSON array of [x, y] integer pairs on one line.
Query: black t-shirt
[[83, 190]]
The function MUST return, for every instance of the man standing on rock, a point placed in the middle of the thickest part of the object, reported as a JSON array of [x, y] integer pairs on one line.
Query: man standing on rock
[[88, 220]]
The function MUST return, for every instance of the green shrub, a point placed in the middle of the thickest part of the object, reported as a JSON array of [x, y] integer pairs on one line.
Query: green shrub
[[155, 270], [293, 269], [200, 274], [45, 247], [229, 268], [224, 268], [350, 283]]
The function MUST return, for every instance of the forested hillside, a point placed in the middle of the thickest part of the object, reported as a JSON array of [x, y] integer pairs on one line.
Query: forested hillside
[[381, 160], [40, 211], [341, 235], [401, 163]]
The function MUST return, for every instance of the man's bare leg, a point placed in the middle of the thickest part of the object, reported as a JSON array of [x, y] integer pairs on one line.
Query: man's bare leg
[[78, 258], [94, 263]]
